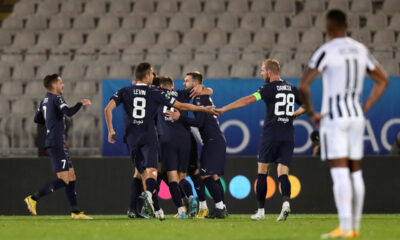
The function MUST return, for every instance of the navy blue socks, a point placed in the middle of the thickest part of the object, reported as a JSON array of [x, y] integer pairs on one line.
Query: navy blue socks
[[49, 188], [186, 187], [213, 188], [285, 187], [261, 189], [71, 195], [199, 186], [175, 193]]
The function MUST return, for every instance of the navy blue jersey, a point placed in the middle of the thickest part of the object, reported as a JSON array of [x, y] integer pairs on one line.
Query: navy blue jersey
[[140, 106], [51, 113], [279, 98], [169, 129], [208, 124]]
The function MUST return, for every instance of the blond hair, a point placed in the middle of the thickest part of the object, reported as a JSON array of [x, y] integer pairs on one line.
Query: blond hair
[[273, 65]]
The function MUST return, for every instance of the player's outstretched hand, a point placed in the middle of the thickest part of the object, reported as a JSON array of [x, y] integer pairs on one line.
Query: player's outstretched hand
[[196, 91], [174, 115], [315, 118], [112, 136], [211, 110], [220, 111], [86, 102]]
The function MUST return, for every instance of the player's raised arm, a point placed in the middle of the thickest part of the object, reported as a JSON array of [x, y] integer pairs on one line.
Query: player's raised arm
[[200, 89], [108, 116], [242, 102], [381, 82], [190, 107], [305, 94]]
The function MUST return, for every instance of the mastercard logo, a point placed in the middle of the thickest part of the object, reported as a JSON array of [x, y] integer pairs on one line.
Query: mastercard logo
[[239, 187]]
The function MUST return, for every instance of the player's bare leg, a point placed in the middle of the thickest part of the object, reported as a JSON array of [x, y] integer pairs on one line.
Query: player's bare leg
[[358, 195], [173, 179], [261, 190], [342, 191], [283, 176]]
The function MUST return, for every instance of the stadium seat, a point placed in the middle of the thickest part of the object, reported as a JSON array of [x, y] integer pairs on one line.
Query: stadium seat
[[242, 70], [123, 39], [172, 69], [181, 54], [96, 107], [205, 53], [157, 54], [320, 22], [97, 39], [251, 22], [391, 6], [36, 55], [48, 8], [36, 23], [72, 8], [303, 54], [377, 21], [339, 4], [362, 35], [22, 106], [254, 53], [180, 22], [109, 55], [85, 54], [88, 88], [291, 69], [60, 22], [229, 54], [49, 39], [395, 22], [132, 23], [24, 8], [132, 55], [24, 71], [109, 23], [121, 7], [120, 71], [240, 38], [143, 7], [311, 39], [384, 39], [167, 7], [193, 66], [391, 67], [228, 22], [11, 89], [60, 54], [217, 38], [204, 23], [353, 21], [264, 39], [84, 23], [313, 6], [285, 6], [275, 22], [383, 54], [34, 89], [361, 6], [145, 38], [261, 6], [12, 55], [288, 39], [214, 7], [25, 39], [238, 6], [5, 71], [191, 7], [282, 55], [95, 8], [73, 71], [72, 39], [156, 22], [46, 69], [301, 21], [4, 141], [95, 71], [12, 23], [218, 70], [193, 38], [5, 39]]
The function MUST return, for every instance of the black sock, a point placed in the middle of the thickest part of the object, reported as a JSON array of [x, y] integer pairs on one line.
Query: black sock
[[49, 188], [221, 188], [136, 189], [286, 187], [261, 189], [186, 187], [71, 195], [155, 195], [199, 186], [213, 189], [175, 193], [151, 185]]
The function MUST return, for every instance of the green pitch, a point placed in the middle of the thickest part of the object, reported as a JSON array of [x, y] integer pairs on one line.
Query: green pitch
[[298, 226]]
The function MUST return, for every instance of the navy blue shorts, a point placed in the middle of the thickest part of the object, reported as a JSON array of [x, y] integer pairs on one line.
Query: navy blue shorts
[[275, 151], [175, 156], [194, 163], [144, 155], [60, 160], [212, 158]]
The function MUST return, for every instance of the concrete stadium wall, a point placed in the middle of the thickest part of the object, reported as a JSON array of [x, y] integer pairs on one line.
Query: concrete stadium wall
[[103, 186]]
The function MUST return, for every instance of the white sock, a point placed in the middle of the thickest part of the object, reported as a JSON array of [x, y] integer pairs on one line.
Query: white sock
[[358, 197], [342, 190], [261, 211], [203, 205], [285, 204], [190, 198], [181, 210], [219, 205], [149, 193]]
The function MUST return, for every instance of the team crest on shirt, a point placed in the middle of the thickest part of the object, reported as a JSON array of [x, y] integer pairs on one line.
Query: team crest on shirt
[[167, 95], [61, 100]]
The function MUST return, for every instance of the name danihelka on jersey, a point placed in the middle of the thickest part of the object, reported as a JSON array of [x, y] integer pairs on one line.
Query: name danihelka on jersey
[[283, 88]]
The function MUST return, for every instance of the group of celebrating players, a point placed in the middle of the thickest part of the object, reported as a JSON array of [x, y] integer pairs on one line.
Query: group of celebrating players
[[162, 146]]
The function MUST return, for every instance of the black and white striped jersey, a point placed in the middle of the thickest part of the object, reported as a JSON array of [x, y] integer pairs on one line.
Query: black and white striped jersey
[[343, 63]]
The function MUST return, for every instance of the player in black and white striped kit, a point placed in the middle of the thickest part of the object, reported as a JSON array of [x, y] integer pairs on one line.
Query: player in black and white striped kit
[[343, 63]]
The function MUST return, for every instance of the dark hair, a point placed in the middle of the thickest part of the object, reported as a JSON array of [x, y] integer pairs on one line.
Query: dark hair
[[50, 79], [142, 70], [156, 81], [196, 76], [337, 18], [166, 81]]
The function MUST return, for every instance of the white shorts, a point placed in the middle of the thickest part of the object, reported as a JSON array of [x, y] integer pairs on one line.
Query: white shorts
[[342, 138]]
